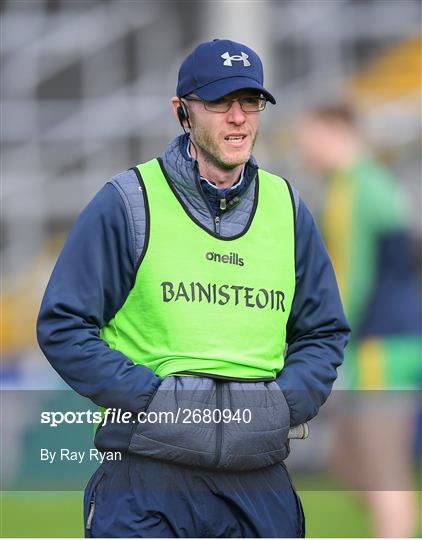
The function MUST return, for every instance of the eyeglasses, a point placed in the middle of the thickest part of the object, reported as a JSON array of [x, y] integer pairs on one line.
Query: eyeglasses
[[247, 104]]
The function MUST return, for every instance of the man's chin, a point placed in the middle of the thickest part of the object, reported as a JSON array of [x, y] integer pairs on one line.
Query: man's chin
[[231, 163], [230, 166]]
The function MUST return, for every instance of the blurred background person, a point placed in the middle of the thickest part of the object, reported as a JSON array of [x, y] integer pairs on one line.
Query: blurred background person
[[364, 221]]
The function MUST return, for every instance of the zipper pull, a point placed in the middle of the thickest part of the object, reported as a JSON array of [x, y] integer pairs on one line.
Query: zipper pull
[[223, 204], [92, 506], [91, 514], [217, 224]]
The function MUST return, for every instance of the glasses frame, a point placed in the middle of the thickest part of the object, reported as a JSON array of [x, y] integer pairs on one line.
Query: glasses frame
[[229, 103]]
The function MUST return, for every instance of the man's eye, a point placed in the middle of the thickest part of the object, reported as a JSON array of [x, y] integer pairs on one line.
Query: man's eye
[[220, 101], [251, 99]]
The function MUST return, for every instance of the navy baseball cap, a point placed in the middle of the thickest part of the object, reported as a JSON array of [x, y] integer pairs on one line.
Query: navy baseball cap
[[216, 68]]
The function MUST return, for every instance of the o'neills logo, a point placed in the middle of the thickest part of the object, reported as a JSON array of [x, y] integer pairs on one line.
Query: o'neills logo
[[231, 258], [211, 293]]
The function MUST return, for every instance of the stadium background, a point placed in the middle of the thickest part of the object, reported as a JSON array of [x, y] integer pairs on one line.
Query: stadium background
[[85, 87]]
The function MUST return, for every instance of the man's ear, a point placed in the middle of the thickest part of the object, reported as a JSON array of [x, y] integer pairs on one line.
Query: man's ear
[[175, 103], [180, 111]]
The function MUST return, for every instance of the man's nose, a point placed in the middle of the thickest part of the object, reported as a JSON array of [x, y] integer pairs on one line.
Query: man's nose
[[235, 115]]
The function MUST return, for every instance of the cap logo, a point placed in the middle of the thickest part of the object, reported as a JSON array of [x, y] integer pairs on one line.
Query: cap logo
[[242, 57]]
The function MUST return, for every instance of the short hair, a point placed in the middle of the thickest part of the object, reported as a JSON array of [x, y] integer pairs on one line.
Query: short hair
[[336, 113]]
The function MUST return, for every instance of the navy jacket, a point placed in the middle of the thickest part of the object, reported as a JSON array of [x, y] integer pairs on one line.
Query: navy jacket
[[97, 266]]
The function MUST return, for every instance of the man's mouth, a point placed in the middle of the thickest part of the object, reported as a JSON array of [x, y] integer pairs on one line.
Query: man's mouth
[[235, 140]]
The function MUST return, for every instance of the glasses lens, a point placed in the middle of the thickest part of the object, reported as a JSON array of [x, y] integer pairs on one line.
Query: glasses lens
[[252, 103], [219, 105], [248, 104]]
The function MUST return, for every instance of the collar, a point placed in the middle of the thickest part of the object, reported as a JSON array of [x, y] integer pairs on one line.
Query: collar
[[183, 171]]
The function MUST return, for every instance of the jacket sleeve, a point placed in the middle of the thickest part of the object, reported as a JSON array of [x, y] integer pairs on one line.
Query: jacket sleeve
[[317, 330], [90, 282]]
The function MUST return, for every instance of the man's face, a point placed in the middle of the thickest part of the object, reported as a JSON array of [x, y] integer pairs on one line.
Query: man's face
[[225, 139]]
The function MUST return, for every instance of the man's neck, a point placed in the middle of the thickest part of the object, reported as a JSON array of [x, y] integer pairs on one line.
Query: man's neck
[[219, 177]]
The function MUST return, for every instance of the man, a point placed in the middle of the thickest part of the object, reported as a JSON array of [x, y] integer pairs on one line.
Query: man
[[365, 225], [176, 293]]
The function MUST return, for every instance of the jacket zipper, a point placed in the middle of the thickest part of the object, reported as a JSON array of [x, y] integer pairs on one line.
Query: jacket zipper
[[92, 507], [205, 199], [91, 514], [217, 224], [219, 426]]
